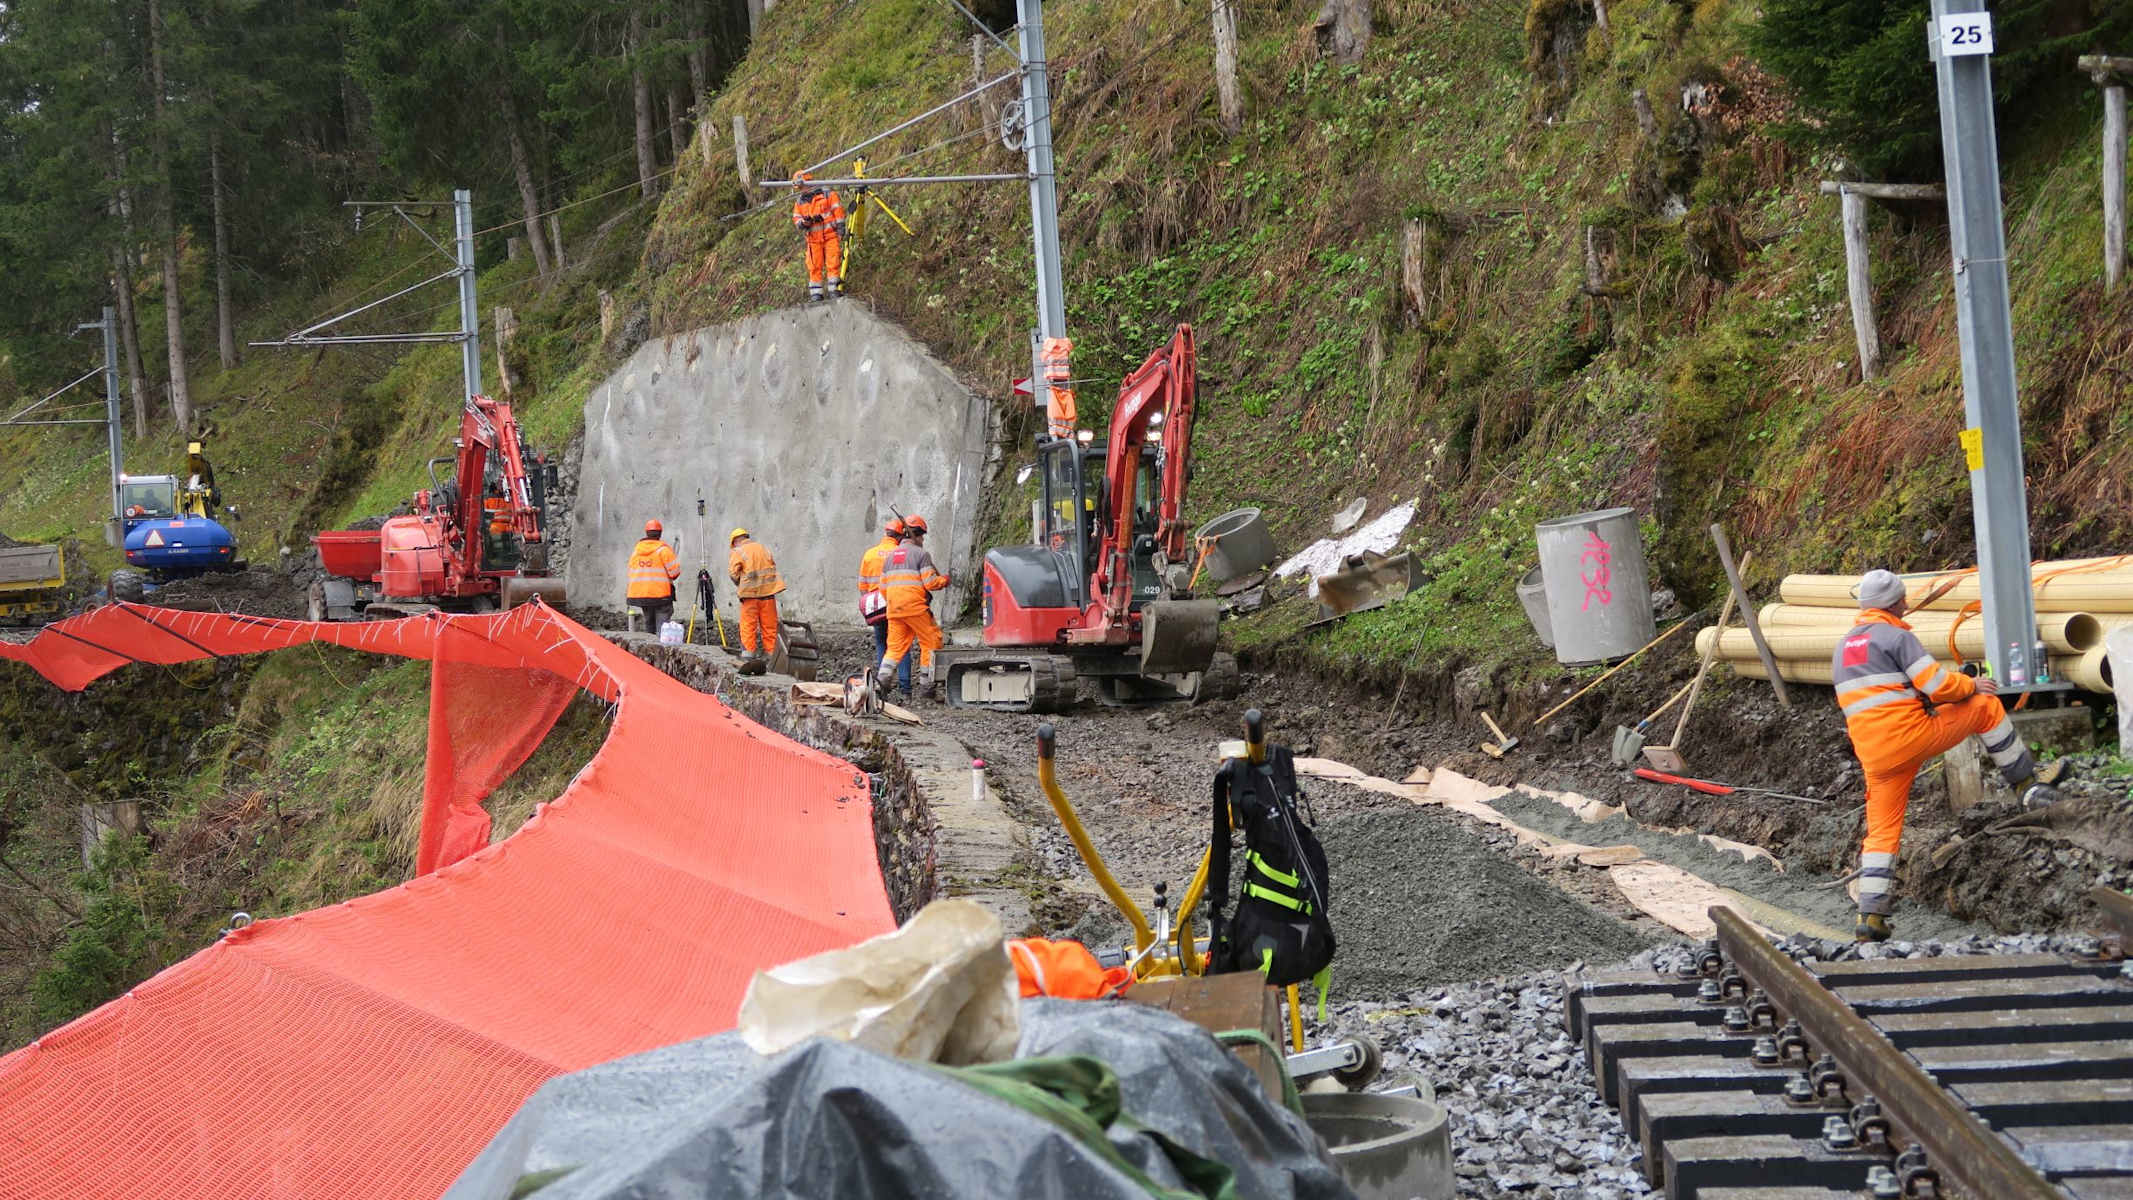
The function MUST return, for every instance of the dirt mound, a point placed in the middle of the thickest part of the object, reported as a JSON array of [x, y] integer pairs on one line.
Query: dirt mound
[[258, 592]]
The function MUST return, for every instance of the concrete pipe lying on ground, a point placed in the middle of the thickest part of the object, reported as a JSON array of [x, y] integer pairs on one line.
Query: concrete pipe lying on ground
[[2067, 633], [2092, 590]]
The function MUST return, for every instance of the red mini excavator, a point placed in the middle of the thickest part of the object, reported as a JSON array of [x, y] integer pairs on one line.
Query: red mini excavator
[[473, 543], [1102, 593]]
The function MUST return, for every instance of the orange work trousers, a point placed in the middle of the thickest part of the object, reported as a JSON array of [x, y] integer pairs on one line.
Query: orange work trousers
[[759, 624], [825, 256], [920, 627], [1888, 778]]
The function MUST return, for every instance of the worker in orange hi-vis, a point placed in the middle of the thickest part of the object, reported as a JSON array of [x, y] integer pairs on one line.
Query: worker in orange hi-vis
[[653, 570], [819, 215], [909, 579], [755, 577], [874, 603], [1901, 708], [1059, 387]]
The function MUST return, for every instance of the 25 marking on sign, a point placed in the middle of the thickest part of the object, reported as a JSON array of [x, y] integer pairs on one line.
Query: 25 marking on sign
[[1965, 33]]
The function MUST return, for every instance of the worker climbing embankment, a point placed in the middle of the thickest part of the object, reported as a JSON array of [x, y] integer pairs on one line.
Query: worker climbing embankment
[[1901, 708], [652, 572], [755, 576], [908, 579], [819, 216]]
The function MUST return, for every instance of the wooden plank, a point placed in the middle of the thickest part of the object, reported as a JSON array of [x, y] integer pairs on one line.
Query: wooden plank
[[1218, 1003]]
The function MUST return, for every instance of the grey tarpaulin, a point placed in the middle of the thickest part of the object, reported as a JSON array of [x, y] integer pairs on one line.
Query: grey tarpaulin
[[710, 1118]]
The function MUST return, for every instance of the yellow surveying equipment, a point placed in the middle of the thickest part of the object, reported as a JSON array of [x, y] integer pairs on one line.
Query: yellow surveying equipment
[[855, 225]]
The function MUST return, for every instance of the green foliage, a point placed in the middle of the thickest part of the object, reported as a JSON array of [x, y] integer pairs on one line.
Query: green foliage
[[121, 938], [1860, 70]]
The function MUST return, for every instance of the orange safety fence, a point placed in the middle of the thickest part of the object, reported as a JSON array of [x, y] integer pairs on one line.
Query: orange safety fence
[[372, 1047]]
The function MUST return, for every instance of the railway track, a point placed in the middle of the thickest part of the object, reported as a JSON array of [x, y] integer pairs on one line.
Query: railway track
[[1749, 1076]]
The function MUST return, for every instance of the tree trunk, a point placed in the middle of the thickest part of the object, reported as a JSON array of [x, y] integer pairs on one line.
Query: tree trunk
[[225, 323], [529, 196], [699, 57], [677, 121], [129, 338], [181, 399], [641, 92], [1343, 30], [1232, 104]]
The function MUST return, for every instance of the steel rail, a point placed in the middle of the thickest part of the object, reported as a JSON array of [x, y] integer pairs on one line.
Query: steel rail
[[2117, 908], [1960, 1147]]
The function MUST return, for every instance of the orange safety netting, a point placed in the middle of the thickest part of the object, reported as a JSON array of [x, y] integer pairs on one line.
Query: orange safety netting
[[371, 1048]]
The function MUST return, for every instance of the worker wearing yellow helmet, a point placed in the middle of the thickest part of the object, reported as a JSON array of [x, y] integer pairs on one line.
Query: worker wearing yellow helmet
[[755, 577]]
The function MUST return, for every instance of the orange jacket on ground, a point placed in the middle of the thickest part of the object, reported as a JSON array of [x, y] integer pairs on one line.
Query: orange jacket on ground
[[1064, 969], [872, 602], [907, 575], [1884, 677], [751, 568], [653, 570]]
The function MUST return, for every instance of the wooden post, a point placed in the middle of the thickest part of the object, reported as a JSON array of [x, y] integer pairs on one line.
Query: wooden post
[[555, 241], [703, 141], [1415, 268], [740, 150], [2114, 185], [1599, 14], [506, 332], [1231, 102], [513, 247], [1747, 613], [2111, 74], [1858, 282], [607, 315]]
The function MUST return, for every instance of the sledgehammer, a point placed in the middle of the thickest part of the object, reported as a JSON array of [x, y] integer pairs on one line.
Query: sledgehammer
[[1504, 742]]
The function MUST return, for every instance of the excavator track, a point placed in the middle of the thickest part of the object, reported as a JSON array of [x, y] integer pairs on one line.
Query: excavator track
[[1009, 682]]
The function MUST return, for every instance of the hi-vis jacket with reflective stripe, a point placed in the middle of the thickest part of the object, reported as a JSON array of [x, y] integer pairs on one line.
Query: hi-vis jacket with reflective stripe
[[907, 574], [653, 570], [871, 599], [753, 571], [1883, 678]]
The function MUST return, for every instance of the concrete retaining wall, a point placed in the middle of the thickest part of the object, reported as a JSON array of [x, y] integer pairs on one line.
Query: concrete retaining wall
[[805, 426]]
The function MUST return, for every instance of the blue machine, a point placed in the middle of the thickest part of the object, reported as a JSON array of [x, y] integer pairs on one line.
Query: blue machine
[[168, 532]]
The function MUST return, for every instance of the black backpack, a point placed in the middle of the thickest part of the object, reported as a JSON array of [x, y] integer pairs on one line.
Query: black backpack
[[1282, 928]]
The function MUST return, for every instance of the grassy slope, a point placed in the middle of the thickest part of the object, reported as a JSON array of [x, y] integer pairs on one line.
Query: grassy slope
[[1714, 381]]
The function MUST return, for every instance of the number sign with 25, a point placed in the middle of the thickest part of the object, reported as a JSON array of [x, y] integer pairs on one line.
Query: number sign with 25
[[1965, 33]]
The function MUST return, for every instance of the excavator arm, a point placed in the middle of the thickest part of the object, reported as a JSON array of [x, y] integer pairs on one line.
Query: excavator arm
[[1159, 394]]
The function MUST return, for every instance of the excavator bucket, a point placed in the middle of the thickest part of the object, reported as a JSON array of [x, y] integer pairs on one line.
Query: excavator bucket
[[1365, 582], [520, 588], [1178, 636]]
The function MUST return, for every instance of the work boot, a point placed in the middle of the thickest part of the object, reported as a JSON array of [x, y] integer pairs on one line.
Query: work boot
[[1872, 927], [814, 293], [883, 677], [2039, 795]]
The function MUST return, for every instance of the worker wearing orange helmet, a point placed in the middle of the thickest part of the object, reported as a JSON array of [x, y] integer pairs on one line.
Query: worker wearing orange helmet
[[874, 603], [652, 572], [1901, 708], [908, 580], [755, 577], [819, 216]]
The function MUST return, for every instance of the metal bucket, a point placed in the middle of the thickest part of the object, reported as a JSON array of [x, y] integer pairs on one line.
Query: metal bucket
[[1387, 1147], [1599, 601], [1242, 544], [1533, 597]]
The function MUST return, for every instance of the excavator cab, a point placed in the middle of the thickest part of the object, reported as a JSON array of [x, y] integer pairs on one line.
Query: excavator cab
[[1075, 493]]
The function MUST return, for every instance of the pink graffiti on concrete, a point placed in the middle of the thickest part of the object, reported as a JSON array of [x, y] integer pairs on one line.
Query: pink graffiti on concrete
[[1596, 557]]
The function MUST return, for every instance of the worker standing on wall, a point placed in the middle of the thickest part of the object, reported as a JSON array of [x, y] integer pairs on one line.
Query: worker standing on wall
[[909, 579], [1901, 708], [874, 603], [653, 570], [819, 216], [755, 576]]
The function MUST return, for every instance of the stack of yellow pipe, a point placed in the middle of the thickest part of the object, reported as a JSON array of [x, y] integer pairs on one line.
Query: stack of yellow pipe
[[2078, 601]]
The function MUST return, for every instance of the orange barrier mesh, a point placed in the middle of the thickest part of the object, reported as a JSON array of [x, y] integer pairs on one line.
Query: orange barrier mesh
[[371, 1048]]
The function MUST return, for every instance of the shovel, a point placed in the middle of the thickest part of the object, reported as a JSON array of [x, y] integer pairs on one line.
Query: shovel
[[1668, 757], [1629, 741]]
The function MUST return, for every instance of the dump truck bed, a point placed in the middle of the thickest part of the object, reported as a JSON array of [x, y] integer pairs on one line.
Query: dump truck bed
[[30, 569]]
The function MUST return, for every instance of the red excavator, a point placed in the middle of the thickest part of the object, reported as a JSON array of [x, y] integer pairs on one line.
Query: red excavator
[[473, 543], [1103, 592]]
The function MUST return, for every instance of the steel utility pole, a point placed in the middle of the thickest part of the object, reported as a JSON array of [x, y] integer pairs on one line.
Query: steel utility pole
[[111, 405], [469, 311], [461, 256], [1960, 42], [1043, 197]]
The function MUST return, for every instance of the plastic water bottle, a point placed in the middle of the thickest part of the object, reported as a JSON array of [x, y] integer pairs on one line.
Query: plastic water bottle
[[670, 633], [2017, 668], [2041, 660]]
